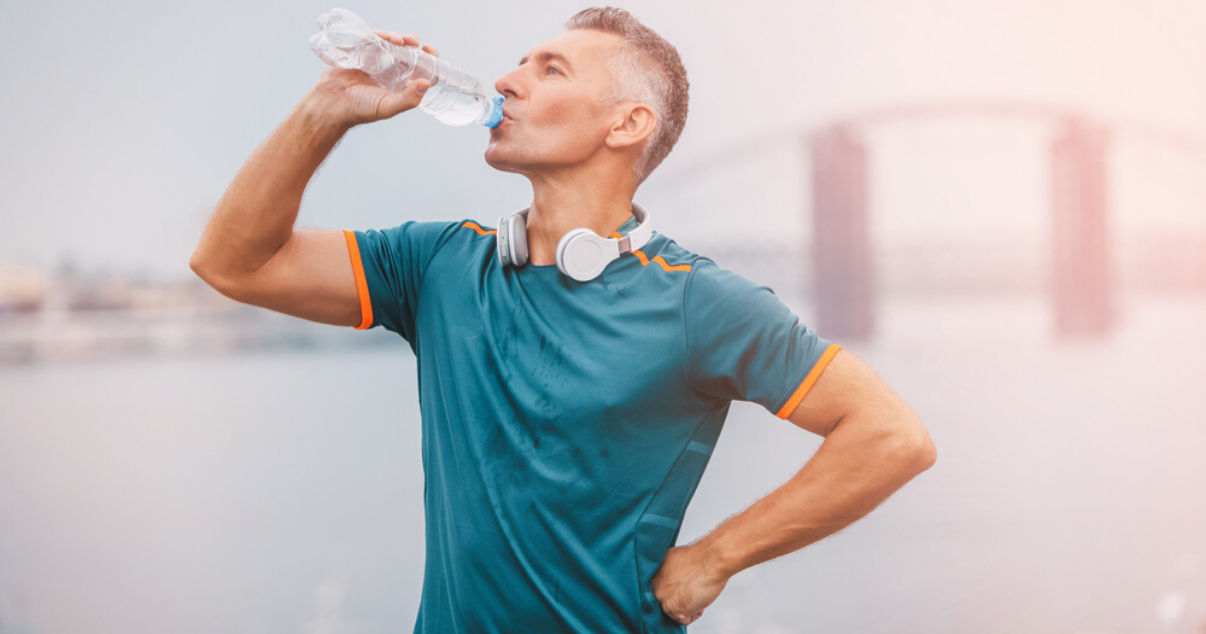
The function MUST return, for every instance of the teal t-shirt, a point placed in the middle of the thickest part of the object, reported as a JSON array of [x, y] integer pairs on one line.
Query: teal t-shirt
[[566, 424]]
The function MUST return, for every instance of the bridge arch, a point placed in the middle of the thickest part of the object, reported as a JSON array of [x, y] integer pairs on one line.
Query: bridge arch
[[1082, 272]]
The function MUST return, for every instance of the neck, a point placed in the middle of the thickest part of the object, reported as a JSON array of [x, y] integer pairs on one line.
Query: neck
[[561, 205]]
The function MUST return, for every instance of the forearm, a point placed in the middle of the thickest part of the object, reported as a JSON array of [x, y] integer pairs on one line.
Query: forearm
[[255, 217], [859, 465]]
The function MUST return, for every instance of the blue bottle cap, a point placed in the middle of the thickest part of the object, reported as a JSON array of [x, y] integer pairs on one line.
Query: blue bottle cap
[[496, 113]]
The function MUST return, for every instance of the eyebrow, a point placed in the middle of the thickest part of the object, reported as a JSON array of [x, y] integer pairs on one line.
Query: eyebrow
[[546, 56]]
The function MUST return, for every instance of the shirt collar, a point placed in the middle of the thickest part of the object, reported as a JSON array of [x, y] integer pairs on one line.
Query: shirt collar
[[628, 225]]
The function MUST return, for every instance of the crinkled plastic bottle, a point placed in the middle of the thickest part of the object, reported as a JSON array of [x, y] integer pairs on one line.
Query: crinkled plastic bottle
[[455, 97]]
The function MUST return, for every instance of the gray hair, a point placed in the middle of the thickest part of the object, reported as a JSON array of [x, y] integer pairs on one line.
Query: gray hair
[[646, 69]]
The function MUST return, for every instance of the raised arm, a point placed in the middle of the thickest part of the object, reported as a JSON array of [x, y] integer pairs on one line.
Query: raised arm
[[249, 250]]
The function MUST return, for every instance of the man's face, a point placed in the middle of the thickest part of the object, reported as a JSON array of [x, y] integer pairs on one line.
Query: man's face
[[555, 115]]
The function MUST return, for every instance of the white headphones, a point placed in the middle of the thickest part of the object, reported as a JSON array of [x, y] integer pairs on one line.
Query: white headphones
[[581, 253]]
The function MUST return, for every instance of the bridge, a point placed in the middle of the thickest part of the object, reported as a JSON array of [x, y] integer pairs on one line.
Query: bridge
[[1082, 279]]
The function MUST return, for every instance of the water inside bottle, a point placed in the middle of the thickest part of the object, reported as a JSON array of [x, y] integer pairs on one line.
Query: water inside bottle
[[456, 98]]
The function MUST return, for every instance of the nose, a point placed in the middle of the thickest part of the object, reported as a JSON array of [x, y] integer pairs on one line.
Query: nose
[[509, 85]]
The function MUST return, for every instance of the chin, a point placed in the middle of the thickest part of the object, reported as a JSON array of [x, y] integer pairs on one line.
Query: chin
[[498, 159], [493, 160]]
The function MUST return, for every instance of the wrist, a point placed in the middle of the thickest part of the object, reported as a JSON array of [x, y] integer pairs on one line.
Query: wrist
[[317, 114], [718, 560]]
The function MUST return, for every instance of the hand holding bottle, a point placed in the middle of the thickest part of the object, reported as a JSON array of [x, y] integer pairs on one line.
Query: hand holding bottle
[[453, 96], [351, 97]]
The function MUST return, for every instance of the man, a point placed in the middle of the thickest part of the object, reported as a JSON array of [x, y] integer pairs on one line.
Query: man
[[566, 423]]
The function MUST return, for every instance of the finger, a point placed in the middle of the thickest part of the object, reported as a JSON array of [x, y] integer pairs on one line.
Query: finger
[[687, 620], [410, 97], [392, 38], [431, 49]]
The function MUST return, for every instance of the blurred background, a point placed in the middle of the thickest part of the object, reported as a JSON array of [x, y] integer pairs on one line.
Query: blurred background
[[1001, 206]]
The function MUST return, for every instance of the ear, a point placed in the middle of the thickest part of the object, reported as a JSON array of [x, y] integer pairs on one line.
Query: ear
[[633, 124]]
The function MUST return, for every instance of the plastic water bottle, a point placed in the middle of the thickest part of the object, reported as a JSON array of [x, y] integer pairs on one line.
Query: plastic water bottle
[[455, 97]]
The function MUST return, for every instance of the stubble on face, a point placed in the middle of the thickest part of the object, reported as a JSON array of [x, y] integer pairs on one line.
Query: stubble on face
[[558, 117]]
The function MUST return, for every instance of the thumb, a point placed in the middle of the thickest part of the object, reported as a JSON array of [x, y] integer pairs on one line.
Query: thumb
[[410, 97]]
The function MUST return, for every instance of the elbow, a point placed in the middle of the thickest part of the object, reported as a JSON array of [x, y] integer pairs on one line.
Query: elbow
[[197, 264], [908, 445], [927, 454], [205, 270], [922, 451]]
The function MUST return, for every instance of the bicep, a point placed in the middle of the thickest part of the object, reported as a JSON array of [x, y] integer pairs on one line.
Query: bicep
[[848, 386], [311, 277]]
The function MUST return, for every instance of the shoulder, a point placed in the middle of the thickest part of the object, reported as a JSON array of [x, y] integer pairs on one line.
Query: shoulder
[[472, 228], [712, 292], [418, 242], [435, 234], [414, 231], [705, 289], [662, 252], [698, 273], [471, 238], [707, 278]]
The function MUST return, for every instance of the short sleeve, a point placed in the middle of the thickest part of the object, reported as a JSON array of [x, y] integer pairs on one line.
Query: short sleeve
[[745, 344], [389, 267]]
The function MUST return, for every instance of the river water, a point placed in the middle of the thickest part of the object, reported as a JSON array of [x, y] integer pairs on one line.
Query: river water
[[282, 491]]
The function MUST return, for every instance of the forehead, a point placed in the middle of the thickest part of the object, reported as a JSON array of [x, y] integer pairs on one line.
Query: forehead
[[581, 48]]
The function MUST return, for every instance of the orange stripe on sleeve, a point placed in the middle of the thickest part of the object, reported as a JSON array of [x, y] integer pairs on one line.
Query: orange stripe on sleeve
[[366, 304], [812, 377]]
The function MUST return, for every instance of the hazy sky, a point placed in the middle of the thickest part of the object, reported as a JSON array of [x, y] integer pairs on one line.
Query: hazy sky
[[125, 121]]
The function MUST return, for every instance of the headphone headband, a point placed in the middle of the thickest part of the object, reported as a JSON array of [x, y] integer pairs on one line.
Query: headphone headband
[[581, 253]]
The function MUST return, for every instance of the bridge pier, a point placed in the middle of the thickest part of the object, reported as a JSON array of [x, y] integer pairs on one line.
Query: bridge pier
[[842, 263], [1082, 287]]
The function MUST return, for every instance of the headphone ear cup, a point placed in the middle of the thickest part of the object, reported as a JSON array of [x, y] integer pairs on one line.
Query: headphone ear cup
[[512, 240], [580, 255], [502, 244], [518, 234]]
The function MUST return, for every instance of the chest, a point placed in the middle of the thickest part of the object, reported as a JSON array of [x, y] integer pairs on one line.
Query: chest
[[556, 349]]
